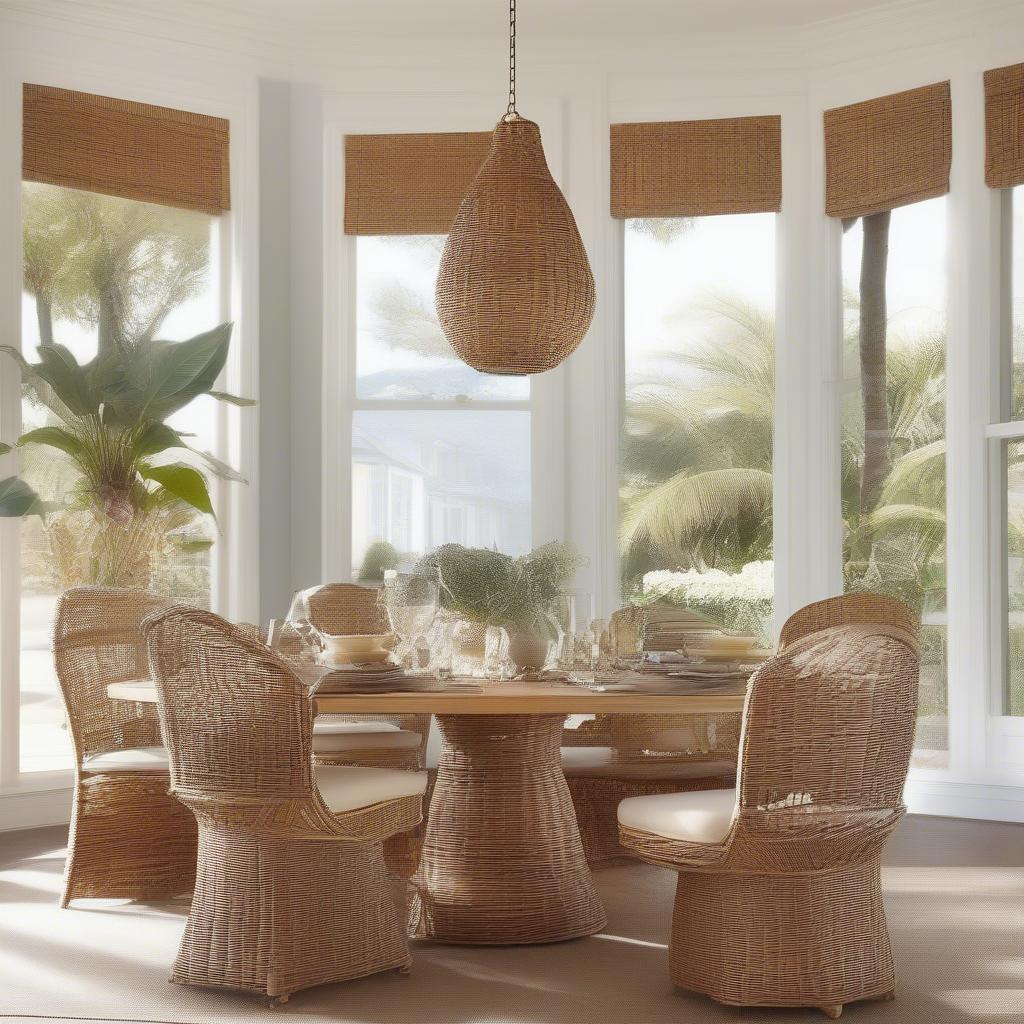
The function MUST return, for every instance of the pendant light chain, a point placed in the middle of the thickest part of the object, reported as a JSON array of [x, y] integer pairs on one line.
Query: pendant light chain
[[511, 112]]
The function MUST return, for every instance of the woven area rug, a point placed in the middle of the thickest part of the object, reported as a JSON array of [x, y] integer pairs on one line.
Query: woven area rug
[[954, 894]]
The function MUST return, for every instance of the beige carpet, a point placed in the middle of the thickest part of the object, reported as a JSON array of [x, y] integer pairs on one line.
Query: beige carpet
[[954, 894]]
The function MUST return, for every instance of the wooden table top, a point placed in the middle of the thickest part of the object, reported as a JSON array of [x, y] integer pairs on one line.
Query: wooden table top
[[496, 698]]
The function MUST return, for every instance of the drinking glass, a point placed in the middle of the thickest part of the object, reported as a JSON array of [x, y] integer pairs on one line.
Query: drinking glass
[[411, 603]]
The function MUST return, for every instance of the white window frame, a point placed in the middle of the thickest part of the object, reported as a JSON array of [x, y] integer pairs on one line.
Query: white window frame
[[982, 778], [35, 798], [348, 115], [797, 534]]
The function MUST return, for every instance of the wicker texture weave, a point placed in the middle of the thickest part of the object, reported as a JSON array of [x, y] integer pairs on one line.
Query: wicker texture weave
[[288, 895], [120, 148], [128, 838], [635, 738], [848, 609], [502, 862], [346, 608], [409, 184], [888, 152], [1004, 126], [515, 293], [787, 909], [696, 168]]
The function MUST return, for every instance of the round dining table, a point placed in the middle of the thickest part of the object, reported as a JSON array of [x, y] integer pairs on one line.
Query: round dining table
[[502, 861]]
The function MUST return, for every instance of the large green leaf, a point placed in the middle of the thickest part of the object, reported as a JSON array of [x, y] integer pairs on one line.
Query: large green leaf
[[688, 512], [178, 372], [17, 499], [156, 438], [5, 448], [54, 437], [59, 368], [242, 403], [183, 482]]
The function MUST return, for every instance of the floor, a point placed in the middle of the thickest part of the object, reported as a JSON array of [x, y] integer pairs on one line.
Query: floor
[[954, 893]]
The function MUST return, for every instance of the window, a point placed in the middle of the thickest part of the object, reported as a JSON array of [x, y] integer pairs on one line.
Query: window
[[696, 451], [894, 432], [440, 452], [1010, 466], [103, 272]]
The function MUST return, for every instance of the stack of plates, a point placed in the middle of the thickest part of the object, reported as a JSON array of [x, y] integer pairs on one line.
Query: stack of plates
[[383, 679], [675, 682], [358, 678]]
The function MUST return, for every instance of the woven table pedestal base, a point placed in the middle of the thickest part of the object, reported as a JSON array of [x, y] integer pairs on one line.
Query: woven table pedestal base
[[273, 916], [502, 859], [815, 940]]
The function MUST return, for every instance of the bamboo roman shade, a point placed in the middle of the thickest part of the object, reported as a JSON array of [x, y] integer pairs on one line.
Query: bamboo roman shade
[[120, 148], [696, 168], [887, 152], [1004, 126], [409, 184]]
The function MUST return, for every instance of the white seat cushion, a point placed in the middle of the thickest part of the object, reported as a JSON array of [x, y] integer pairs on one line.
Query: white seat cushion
[[701, 817], [337, 726], [393, 739], [345, 789], [602, 763], [131, 759]]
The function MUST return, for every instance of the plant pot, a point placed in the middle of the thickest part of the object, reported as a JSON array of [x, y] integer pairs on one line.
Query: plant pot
[[470, 639], [527, 651]]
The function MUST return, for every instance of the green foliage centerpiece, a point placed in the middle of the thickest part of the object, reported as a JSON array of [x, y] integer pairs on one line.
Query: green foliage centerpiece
[[489, 588]]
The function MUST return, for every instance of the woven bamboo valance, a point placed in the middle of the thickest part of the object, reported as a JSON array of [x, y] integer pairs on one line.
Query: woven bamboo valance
[[1004, 126], [409, 184], [120, 148], [696, 168], [887, 152]]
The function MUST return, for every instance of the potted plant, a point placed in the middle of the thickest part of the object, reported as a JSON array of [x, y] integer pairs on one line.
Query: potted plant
[[483, 587], [130, 487]]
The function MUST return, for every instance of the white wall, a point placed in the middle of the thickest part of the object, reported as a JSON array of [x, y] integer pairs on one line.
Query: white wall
[[288, 87]]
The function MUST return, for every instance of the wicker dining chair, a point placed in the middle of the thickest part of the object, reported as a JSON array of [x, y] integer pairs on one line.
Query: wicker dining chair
[[129, 839], [291, 889], [382, 741], [846, 609], [779, 899], [608, 758]]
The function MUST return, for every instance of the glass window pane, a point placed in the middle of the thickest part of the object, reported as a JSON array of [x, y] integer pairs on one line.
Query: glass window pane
[[1017, 301], [1013, 462], [894, 432], [103, 274], [420, 479], [696, 457], [401, 349]]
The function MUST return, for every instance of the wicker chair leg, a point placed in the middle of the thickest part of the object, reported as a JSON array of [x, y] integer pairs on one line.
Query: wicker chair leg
[[832, 1012], [817, 940], [273, 916], [129, 839], [502, 860]]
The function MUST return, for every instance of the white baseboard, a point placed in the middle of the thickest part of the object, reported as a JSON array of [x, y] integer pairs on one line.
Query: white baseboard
[[983, 801], [35, 808]]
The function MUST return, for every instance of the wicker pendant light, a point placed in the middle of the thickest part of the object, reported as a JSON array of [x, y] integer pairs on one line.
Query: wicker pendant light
[[515, 294]]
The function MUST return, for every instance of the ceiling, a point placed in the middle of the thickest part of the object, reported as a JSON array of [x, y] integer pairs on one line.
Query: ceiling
[[417, 18]]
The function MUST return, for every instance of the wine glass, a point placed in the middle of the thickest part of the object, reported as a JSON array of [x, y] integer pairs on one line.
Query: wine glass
[[411, 603]]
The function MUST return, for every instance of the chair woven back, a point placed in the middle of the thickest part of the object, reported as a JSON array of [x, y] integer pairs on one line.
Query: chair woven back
[[848, 608], [236, 721], [97, 641], [827, 736], [346, 608]]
